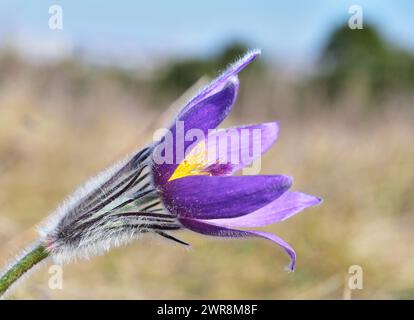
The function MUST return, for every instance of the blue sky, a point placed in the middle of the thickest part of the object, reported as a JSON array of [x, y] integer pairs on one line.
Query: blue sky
[[291, 31]]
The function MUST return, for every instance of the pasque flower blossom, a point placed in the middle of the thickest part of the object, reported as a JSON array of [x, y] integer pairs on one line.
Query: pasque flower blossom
[[204, 196], [140, 195]]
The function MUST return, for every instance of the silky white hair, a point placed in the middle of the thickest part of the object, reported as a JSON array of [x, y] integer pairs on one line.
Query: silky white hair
[[115, 207]]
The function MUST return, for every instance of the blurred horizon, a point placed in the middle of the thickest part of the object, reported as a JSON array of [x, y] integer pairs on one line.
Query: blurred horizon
[[136, 33]]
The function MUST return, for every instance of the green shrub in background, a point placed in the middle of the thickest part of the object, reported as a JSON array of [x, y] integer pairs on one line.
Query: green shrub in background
[[361, 57]]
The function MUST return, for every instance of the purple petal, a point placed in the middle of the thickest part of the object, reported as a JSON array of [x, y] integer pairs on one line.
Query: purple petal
[[205, 197], [219, 231], [205, 115], [230, 150], [287, 205], [218, 83]]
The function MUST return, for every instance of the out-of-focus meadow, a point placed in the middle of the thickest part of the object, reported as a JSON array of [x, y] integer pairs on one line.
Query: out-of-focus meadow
[[346, 135]]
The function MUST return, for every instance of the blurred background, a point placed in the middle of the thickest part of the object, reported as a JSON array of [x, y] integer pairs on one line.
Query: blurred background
[[74, 100]]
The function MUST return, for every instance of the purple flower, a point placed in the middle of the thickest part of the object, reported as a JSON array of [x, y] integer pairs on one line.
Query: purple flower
[[195, 189], [202, 194]]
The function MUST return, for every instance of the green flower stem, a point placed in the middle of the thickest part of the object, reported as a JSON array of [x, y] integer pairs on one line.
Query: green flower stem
[[21, 266]]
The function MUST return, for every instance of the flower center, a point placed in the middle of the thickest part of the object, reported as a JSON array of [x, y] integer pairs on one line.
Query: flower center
[[193, 164]]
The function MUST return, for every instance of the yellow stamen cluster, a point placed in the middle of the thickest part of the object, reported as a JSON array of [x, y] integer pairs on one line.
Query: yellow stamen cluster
[[193, 164]]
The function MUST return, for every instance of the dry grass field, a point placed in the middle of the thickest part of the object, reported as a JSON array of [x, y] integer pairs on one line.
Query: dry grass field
[[361, 163]]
